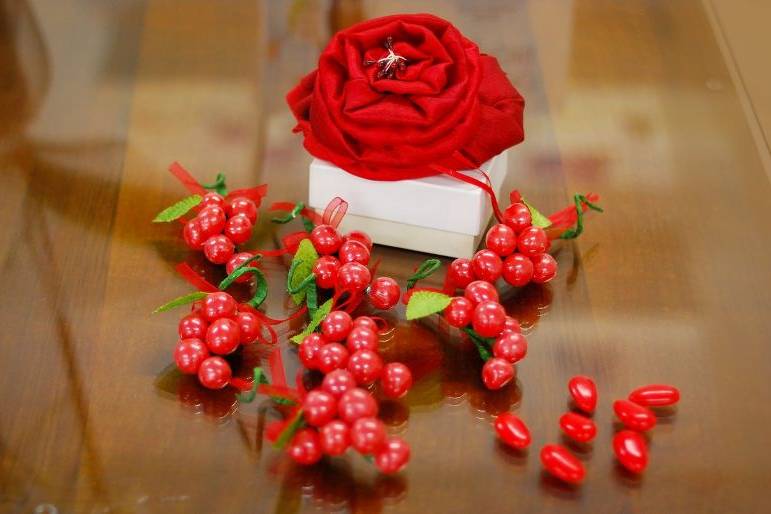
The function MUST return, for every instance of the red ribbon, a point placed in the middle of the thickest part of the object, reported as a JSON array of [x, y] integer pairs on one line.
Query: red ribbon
[[187, 179], [335, 211]]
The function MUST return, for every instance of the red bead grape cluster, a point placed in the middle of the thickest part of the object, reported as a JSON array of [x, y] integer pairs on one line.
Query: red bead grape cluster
[[216, 326], [220, 225]]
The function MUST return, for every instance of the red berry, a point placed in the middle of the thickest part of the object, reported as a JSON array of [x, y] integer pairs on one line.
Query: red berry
[[219, 305], [517, 270], [396, 380], [218, 249], [212, 220], [488, 319], [189, 354], [558, 461], [631, 450], [393, 456], [384, 293], [192, 326], [544, 268], [460, 273], [352, 277], [533, 241], [496, 373], [309, 349], [578, 427], [325, 271], [654, 395], [193, 234], [633, 416], [517, 216], [512, 430], [368, 435], [361, 338], [236, 261], [584, 393], [325, 239], [366, 321], [501, 239], [510, 346], [362, 237], [512, 325], [353, 251], [458, 313], [249, 326], [319, 408], [365, 366], [331, 356], [337, 382], [356, 403], [213, 199], [242, 205], [238, 229], [480, 291], [487, 265], [305, 447], [223, 336], [336, 325], [214, 373], [335, 437]]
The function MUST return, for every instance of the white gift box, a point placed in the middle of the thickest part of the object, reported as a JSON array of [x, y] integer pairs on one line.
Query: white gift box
[[439, 214]]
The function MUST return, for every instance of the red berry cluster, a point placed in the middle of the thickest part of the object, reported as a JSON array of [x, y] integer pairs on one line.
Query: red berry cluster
[[217, 326], [343, 266], [340, 412], [220, 226]]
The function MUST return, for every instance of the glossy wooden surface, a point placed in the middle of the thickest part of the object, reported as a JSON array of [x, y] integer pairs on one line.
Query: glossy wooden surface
[[631, 99]]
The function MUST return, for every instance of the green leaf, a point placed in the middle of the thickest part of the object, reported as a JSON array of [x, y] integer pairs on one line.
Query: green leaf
[[425, 269], [300, 269], [182, 300], [178, 210], [315, 321], [289, 431], [539, 220], [425, 303]]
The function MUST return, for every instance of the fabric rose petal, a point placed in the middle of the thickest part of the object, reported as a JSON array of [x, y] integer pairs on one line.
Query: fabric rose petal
[[446, 107]]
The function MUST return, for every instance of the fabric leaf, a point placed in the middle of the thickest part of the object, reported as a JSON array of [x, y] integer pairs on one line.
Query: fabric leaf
[[178, 210], [425, 303], [538, 219], [182, 300], [300, 269], [315, 321]]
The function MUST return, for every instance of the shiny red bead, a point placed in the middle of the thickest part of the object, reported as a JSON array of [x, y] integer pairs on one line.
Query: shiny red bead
[[384, 293], [578, 427], [212, 200], [214, 373], [319, 408], [460, 273], [584, 393], [458, 313], [633, 416], [631, 450], [309, 350], [325, 271], [368, 435], [212, 220], [365, 366], [352, 277], [367, 322], [337, 382], [517, 216], [501, 239], [480, 291], [249, 327], [238, 229], [353, 251], [533, 241], [334, 437], [189, 354], [487, 265], [192, 326], [517, 270], [325, 239], [396, 380], [219, 305], [356, 403], [393, 456], [512, 325], [236, 261], [218, 249], [193, 234], [654, 395], [512, 430], [305, 447], [331, 356], [242, 205], [362, 237], [510, 346], [361, 338], [496, 373], [336, 325], [558, 461], [223, 336], [544, 268], [488, 319]]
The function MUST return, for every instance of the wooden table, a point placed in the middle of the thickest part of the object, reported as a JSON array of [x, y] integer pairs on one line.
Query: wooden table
[[630, 99]]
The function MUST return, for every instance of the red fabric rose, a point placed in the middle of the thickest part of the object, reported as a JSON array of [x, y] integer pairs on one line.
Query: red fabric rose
[[447, 107]]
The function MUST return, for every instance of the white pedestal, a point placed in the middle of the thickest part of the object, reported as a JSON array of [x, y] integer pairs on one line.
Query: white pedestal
[[439, 215]]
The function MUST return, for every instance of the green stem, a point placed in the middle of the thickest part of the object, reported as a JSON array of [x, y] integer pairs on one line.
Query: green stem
[[218, 185], [426, 268], [579, 200]]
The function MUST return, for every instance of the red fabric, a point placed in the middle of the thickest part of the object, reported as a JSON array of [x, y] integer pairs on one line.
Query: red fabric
[[450, 105]]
